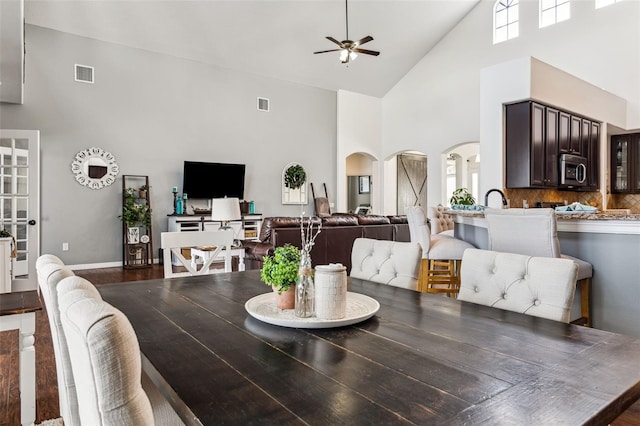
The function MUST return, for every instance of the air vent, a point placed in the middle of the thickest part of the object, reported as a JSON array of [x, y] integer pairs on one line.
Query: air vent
[[263, 104], [84, 74]]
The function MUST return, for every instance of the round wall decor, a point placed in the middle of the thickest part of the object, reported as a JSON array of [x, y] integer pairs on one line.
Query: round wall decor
[[94, 168]]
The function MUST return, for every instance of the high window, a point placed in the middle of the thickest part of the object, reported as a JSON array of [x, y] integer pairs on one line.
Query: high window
[[603, 3], [554, 11], [505, 20]]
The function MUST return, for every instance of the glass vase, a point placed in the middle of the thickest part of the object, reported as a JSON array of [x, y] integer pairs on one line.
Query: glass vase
[[305, 290]]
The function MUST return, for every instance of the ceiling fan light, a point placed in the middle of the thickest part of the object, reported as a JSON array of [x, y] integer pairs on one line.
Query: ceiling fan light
[[353, 55], [344, 55]]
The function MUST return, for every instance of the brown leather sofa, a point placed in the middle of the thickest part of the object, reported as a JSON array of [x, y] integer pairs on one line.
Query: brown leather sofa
[[335, 241]]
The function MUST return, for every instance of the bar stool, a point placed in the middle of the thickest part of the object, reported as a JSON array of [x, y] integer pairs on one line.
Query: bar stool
[[533, 232], [441, 255]]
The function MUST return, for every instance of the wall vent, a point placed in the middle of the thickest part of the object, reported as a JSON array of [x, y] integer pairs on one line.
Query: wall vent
[[263, 104], [84, 74]]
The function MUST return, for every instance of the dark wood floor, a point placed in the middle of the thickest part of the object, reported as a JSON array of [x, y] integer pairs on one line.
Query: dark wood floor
[[46, 383]]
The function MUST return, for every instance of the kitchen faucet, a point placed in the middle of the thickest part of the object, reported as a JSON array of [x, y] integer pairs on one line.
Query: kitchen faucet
[[486, 196]]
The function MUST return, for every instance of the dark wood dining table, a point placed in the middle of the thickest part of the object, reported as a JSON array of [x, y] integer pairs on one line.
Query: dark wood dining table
[[422, 359]]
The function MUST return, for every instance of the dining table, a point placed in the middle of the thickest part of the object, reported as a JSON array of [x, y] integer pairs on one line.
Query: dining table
[[414, 358]]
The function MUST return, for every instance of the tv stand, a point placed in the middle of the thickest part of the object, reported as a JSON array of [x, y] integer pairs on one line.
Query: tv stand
[[247, 228]]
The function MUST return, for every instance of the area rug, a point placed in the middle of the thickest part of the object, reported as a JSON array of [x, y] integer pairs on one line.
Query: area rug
[[52, 422]]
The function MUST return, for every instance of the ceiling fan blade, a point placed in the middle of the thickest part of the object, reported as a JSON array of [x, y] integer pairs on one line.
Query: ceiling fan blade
[[364, 40], [325, 51], [335, 41], [366, 52]]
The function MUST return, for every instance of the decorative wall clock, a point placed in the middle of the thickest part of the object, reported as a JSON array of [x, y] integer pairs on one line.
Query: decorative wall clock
[[94, 168]]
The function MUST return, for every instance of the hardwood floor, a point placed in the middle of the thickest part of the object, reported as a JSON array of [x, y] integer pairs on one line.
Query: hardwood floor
[[47, 405]]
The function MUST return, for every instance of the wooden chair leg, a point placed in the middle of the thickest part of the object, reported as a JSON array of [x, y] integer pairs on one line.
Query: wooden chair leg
[[585, 303], [442, 276]]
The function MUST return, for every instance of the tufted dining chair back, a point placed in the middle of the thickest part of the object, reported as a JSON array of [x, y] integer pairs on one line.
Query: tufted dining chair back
[[386, 262], [50, 271], [441, 222], [538, 286], [534, 232]]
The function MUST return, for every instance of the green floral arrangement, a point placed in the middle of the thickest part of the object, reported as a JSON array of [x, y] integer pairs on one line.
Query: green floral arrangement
[[462, 196], [134, 213], [295, 176], [281, 269]]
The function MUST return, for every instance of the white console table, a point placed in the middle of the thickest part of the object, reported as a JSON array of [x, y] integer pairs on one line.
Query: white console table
[[204, 255], [248, 228], [18, 312]]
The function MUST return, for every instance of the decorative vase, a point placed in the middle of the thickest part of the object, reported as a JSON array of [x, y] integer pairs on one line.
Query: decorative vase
[[287, 299], [305, 290], [331, 291]]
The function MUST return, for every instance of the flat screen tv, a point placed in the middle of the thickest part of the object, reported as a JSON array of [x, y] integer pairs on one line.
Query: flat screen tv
[[213, 180]]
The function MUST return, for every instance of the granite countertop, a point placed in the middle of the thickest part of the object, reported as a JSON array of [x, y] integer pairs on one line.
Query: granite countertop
[[562, 216]]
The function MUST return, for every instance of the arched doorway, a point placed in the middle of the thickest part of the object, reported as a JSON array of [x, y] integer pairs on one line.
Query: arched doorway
[[461, 169], [361, 171]]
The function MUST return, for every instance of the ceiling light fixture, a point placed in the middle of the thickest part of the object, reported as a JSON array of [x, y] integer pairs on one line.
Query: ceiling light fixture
[[349, 48]]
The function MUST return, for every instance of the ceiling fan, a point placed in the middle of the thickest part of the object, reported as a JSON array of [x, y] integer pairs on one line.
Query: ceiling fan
[[349, 49]]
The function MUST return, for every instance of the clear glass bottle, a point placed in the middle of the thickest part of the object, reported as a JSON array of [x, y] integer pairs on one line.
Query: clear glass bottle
[[305, 289]]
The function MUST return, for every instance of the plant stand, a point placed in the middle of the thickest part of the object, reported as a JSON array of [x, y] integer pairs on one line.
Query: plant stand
[[137, 245]]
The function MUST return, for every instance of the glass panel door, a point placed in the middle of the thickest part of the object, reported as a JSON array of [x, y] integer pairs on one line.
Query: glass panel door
[[19, 200]]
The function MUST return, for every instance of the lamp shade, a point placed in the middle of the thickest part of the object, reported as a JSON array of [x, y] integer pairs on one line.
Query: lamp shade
[[225, 209]]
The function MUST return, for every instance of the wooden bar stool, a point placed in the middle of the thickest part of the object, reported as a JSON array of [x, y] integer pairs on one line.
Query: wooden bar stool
[[441, 255]]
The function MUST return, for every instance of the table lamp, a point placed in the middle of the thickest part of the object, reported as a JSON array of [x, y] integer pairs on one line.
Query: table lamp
[[225, 210]]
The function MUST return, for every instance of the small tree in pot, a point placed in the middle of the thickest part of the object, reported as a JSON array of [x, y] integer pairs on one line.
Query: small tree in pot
[[280, 271]]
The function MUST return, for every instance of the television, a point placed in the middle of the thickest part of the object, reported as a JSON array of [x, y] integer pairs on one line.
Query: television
[[213, 180]]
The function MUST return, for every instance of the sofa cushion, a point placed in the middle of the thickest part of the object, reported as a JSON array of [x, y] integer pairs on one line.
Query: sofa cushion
[[340, 220], [372, 219]]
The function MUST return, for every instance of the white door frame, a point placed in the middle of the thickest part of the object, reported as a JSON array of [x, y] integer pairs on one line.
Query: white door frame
[[24, 275]]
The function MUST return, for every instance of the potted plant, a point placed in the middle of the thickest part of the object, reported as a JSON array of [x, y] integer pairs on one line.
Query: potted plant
[[295, 176], [134, 214], [462, 196], [280, 271], [142, 191]]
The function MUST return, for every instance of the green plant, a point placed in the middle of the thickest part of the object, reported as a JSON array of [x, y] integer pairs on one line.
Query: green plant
[[295, 176], [281, 269], [134, 213], [462, 196], [5, 234]]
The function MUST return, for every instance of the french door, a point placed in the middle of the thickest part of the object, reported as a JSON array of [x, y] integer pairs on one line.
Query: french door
[[20, 201]]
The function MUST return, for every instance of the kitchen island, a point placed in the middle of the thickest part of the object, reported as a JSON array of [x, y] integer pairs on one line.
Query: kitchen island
[[610, 242]]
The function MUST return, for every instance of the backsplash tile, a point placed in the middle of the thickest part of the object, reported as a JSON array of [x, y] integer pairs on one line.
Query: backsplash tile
[[516, 196]]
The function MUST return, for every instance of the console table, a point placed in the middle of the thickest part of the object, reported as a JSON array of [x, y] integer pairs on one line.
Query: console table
[[204, 254], [18, 312], [248, 228]]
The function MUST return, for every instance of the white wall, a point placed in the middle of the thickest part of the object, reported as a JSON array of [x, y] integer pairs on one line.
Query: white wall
[[359, 131], [437, 104], [153, 112]]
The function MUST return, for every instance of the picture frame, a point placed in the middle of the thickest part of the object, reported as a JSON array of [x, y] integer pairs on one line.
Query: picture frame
[[364, 184]]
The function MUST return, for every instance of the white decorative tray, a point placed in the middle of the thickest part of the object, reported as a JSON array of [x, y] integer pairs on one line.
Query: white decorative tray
[[263, 308]]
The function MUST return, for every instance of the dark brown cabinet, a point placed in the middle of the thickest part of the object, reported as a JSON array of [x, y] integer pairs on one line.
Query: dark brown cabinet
[[625, 163], [536, 134], [531, 145]]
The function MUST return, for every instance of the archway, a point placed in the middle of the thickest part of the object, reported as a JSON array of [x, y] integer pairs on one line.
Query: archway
[[461, 169], [362, 182]]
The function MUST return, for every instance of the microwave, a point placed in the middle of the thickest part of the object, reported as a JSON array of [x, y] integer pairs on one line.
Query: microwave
[[573, 171]]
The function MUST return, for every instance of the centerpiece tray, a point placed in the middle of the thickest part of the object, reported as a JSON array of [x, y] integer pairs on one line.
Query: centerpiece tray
[[263, 308]]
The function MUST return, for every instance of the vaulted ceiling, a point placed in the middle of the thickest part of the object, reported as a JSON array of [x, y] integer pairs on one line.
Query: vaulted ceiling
[[269, 38]]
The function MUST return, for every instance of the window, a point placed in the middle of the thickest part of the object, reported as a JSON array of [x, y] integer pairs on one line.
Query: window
[[554, 11], [505, 20], [604, 3]]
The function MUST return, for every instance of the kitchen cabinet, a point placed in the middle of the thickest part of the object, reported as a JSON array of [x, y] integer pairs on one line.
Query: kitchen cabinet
[[531, 145], [593, 156], [535, 135], [625, 163]]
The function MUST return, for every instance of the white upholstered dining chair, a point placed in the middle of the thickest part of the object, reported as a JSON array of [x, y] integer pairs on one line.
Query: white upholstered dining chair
[[441, 255], [440, 222], [534, 232], [174, 242], [538, 286], [386, 262], [51, 271], [105, 358]]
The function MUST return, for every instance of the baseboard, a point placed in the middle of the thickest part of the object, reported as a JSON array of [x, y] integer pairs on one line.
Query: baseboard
[[99, 265]]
